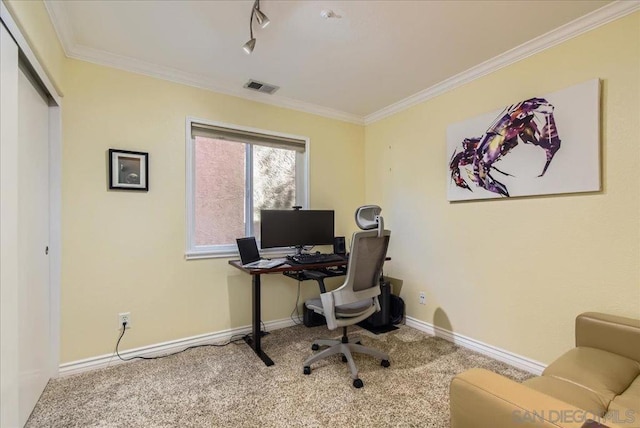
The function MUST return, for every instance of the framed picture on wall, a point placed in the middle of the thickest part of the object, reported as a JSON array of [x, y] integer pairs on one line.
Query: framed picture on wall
[[544, 145], [128, 170]]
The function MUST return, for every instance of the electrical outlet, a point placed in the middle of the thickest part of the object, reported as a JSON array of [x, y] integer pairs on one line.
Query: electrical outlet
[[422, 298], [124, 317]]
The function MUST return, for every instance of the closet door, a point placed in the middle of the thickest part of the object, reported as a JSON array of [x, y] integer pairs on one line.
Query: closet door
[[8, 230], [33, 240]]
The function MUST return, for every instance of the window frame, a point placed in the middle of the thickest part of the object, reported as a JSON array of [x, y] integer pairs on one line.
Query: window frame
[[194, 251]]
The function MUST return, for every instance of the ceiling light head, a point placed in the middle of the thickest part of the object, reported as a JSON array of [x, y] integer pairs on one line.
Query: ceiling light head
[[262, 19], [248, 47]]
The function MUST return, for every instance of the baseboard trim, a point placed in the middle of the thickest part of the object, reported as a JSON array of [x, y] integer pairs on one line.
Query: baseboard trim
[[496, 353], [107, 360]]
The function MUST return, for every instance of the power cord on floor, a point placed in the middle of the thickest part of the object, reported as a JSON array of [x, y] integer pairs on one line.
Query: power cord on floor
[[231, 340], [295, 309]]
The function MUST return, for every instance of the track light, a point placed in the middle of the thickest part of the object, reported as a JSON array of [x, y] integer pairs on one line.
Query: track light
[[263, 21], [248, 47]]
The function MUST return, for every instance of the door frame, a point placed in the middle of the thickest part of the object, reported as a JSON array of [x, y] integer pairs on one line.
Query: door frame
[[55, 184]]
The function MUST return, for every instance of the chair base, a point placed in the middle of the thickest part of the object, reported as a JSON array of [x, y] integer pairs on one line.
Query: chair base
[[346, 347]]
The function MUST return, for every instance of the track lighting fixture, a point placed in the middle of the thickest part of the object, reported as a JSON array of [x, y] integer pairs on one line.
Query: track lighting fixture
[[248, 47], [263, 21]]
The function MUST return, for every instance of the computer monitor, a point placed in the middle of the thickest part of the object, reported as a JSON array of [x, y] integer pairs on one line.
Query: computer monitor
[[296, 228]]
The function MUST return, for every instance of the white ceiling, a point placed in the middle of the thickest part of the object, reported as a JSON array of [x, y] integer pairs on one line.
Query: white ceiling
[[377, 54]]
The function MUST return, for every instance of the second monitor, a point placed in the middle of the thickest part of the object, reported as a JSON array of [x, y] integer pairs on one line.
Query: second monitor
[[296, 228]]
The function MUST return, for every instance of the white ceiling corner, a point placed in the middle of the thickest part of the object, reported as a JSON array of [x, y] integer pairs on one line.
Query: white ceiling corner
[[595, 19], [357, 69]]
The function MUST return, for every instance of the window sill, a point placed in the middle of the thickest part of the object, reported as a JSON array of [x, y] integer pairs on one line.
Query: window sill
[[199, 255]]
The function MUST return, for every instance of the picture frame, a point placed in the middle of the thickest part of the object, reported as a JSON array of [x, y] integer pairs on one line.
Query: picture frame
[[128, 170]]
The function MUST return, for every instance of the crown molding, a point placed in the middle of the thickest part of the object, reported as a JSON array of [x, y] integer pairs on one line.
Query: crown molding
[[191, 79], [588, 22], [73, 50], [61, 25], [595, 19], [133, 65]]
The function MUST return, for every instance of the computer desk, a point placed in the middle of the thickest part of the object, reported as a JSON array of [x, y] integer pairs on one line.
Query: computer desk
[[254, 341]]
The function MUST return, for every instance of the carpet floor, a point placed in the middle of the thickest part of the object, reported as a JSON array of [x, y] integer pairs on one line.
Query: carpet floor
[[230, 387]]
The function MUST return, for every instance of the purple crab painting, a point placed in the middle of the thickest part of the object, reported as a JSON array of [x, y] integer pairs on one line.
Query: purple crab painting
[[493, 163], [515, 125]]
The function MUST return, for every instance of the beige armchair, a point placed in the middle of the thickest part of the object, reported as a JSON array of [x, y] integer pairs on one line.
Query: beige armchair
[[599, 379]]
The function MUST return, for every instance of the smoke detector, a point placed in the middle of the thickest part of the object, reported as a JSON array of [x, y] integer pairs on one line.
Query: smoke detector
[[265, 88], [328, 13]]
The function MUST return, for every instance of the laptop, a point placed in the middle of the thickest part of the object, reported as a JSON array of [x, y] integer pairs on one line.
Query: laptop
[[250, 256]]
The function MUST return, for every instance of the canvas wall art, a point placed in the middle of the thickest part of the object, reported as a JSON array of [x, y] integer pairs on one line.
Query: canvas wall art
[[543, 145]]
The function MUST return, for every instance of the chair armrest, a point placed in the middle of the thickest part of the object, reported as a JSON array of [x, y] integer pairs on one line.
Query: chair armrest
[[329, 309], [318, 276], [611, 333], [483, 399]]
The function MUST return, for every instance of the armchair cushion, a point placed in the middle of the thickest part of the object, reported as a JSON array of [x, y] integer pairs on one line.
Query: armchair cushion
[[601, 372], [569, 392]]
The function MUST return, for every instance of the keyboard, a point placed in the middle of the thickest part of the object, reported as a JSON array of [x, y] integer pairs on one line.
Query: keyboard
[[309, 259]]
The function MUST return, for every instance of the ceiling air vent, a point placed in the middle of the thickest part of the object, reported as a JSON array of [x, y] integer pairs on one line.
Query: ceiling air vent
[[261, 87]]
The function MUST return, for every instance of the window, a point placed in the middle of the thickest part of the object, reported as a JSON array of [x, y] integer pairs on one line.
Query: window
[[232, 173]]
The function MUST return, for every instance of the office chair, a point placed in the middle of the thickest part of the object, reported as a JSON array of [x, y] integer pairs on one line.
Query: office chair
[[357, 298]]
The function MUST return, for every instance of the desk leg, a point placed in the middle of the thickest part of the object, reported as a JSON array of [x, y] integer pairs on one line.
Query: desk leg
[[254, 341]]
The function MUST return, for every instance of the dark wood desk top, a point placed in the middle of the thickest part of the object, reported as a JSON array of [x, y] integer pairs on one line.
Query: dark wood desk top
[[287, 267]]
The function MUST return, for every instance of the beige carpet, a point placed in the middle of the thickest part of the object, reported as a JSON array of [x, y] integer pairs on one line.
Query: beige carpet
[[231, 387]]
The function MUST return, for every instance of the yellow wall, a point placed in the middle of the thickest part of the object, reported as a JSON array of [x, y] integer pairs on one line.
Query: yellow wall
[[124, 251], [514, 273], [511, 273]]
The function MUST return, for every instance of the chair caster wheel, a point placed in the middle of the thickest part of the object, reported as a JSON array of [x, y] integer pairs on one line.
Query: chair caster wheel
[[306, 370], [385, 363], [358, 383], [344, 359], [315, 347]]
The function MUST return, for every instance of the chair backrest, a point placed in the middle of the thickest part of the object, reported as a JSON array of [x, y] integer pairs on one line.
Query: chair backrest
[[368, 251]]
